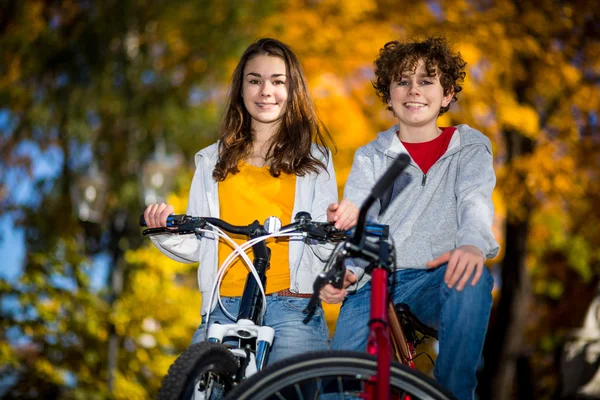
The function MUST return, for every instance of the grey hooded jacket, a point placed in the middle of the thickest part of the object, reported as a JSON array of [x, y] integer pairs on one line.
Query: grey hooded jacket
[[434, 213]]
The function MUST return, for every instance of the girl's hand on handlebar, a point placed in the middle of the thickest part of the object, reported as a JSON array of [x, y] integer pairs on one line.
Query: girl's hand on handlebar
[[331, 295], [464, 262], [156, 215], [344, 214]]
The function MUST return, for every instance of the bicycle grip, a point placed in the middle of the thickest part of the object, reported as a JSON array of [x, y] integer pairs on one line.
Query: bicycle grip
[[170, 220]]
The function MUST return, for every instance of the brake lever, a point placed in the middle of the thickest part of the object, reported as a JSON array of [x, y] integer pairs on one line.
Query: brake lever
[[181, 224], [311, 307], [335, 277], [316, 232], [325, 232], [156, 231]]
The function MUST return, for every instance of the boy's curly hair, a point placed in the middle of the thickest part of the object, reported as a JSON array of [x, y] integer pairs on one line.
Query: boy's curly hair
[[396, 57]]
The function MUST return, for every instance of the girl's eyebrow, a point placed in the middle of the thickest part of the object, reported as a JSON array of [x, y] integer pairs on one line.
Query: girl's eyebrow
[[260, 76]]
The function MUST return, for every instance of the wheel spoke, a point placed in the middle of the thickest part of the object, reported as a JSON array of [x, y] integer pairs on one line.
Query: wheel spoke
[[299, 395], [203, 371], [320, 388], [340, 387]]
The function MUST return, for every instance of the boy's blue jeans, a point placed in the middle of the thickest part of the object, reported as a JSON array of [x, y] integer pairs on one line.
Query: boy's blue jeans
[[284, 314], [460, 317]]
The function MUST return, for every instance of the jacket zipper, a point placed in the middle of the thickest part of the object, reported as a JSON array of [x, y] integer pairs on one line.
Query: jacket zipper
[[424, 180]]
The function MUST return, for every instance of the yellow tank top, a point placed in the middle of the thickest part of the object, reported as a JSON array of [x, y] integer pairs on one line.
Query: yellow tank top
[[253, 194]]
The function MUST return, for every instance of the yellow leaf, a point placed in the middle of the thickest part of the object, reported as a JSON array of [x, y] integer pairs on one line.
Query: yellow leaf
[[127, 388], [521, 117]]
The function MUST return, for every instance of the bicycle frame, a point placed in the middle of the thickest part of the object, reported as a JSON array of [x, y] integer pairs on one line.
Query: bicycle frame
[[385, 333], [379, 342], [248, 324], [382, 311], [403, 349]]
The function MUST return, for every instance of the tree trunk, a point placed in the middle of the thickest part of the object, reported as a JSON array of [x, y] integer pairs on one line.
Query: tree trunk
[[504, 342]]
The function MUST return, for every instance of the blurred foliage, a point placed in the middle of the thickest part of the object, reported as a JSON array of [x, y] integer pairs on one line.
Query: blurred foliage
[[103, 81], [84, 82]]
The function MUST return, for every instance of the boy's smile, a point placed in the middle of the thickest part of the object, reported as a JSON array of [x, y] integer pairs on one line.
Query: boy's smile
[[413, 104]]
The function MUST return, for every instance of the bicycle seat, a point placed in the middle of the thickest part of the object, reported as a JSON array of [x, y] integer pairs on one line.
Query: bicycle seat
[[404, 312]]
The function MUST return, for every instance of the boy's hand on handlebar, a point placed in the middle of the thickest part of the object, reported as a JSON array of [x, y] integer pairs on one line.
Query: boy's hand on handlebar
[[156, 215], [464, 262], [331, 295], [344, 214]]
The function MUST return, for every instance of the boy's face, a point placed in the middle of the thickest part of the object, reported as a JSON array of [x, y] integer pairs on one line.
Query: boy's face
[[417, 98]]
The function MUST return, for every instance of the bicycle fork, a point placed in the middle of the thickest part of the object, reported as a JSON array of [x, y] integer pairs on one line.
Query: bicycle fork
[[245, 329], [379, 338]]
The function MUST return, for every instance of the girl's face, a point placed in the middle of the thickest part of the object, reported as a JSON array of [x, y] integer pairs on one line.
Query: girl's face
[[265, 90], [417, 97]]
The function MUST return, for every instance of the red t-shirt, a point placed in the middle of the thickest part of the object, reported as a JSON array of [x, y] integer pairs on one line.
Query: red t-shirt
[[425, 154]]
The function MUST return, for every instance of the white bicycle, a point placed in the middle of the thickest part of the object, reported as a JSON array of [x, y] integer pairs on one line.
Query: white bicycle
[[209, 369]]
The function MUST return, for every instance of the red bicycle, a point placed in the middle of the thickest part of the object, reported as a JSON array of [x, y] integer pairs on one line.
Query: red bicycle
[[394, 331]]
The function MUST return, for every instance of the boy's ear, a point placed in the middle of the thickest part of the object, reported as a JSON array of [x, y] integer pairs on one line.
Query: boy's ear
[[447, 98]]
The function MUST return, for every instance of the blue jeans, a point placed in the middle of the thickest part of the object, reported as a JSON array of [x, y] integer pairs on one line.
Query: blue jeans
[[284, 314], [460, 317]]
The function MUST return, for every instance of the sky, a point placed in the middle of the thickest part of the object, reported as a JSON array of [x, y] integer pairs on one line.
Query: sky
[[12, 251], [46, 164], [21, 191]]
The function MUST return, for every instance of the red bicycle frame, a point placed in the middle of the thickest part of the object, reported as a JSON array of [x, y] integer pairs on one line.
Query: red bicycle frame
[[378, 343], [382, 311], [385, 330]]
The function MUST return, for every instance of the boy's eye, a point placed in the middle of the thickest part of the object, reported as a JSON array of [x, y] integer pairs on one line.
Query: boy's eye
[[402, 83], [426, 82]]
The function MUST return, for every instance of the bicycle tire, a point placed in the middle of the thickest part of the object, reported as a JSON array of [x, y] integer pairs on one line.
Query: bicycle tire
[[195, 362], [348, 370]]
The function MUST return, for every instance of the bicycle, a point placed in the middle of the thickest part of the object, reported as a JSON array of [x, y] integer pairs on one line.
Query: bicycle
[[343, 374], [209, 369]]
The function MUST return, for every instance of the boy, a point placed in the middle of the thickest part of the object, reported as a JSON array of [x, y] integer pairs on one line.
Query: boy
[[440, 211]]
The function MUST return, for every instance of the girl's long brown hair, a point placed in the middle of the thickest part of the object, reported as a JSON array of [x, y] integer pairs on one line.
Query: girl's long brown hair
[[290, 148]]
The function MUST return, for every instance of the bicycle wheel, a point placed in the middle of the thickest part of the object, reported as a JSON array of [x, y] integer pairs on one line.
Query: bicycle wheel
[[203, 371], [333, 375]]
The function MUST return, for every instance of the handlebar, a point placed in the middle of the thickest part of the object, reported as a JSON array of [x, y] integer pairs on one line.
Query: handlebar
[[185, 224], [350, 243], [321, 231]]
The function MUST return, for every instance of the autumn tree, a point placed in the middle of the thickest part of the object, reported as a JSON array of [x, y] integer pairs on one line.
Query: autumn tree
[[100, 83], [533, 88]]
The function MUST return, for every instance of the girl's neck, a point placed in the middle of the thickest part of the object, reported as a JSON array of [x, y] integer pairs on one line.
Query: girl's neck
[[262, 135], [264, 132], [417, 134]]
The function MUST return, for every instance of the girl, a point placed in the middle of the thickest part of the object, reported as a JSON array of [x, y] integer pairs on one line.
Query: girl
[[271, 160]]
